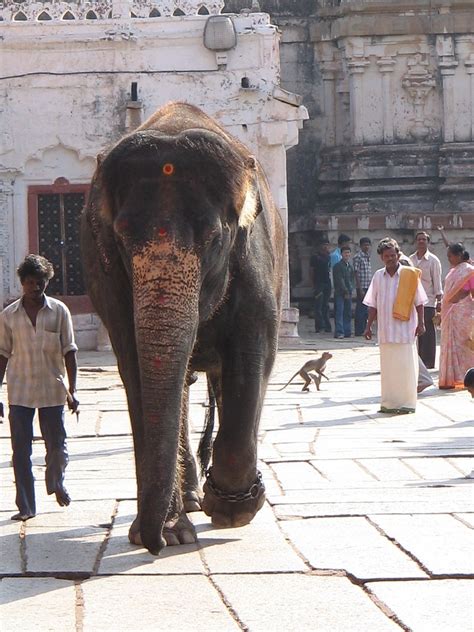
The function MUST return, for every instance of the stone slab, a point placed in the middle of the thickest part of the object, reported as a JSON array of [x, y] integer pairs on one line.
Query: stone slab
[[464, 464], [443, 544], [298, 476], [61, 549], [349, 544], [10, 542], [436, 605], [345, 471], [256, 548], [389, 469], [112, 423], [466, 518], [312, 510], [154, 603], [369, 493], [121, 557], [93, 513], [434, 469], [38, 604], [301, 603]]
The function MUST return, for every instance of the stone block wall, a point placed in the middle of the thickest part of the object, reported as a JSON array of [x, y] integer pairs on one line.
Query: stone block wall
[[389, 146]]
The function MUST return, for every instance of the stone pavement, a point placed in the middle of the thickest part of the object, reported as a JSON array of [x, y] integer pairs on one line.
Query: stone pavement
[[368, 524]]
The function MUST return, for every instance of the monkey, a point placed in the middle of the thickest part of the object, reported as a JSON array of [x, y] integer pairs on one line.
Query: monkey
[[318, 366]]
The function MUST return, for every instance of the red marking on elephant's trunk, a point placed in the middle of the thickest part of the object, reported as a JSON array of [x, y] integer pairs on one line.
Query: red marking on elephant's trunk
[[232, 459], [157, 362], [162, 232], [161, 299]]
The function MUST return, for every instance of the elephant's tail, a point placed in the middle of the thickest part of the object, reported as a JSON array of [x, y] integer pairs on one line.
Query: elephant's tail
[[205, 444]]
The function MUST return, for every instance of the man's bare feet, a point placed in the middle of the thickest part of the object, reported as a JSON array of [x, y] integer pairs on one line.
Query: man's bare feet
[[20, 516], [62, 497]]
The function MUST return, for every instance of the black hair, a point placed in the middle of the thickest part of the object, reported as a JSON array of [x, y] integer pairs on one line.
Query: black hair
[[344, 248], [386, 243], [35, 265], [459, 251], [342, 239], [469, 378], [422, 232], [364, 240]]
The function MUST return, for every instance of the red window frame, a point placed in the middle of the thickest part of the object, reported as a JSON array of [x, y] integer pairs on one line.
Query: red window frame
[[77, 304]]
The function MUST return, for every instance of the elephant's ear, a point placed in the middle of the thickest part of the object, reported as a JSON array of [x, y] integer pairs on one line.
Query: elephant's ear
[[250, 205], [105, 200], [257, 196], [99, 225]]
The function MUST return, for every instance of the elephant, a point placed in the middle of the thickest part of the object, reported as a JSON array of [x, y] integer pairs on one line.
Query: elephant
[[183, 253]]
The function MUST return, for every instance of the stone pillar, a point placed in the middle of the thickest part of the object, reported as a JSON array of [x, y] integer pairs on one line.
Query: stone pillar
[[357, 68], [277, 136], [447, 65], [386, 67], [469, 63]]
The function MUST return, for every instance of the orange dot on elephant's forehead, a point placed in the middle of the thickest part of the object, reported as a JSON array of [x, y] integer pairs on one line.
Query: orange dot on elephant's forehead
[[168, 169]]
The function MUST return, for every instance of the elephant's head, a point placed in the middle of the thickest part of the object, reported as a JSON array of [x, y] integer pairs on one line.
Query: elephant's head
[[176, 204]]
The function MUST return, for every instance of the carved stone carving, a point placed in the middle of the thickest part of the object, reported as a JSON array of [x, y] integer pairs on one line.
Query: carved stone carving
[[105, 9], [418, 81]]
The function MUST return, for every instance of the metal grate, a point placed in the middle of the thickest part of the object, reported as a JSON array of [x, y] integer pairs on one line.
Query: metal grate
[[58, 228]]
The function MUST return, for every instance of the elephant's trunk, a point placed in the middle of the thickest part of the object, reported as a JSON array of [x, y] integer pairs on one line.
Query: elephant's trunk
[[166, 298]]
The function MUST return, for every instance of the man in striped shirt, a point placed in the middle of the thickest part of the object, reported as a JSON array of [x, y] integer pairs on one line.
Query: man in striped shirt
[[37, 344], [396, 338], [363, 277]]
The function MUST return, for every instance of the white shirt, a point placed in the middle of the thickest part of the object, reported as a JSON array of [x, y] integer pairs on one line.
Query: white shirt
[[381, 294], [430, 267], [36, 354]]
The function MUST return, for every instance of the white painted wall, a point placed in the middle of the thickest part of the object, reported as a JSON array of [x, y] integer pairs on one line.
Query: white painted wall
[[65, 87]]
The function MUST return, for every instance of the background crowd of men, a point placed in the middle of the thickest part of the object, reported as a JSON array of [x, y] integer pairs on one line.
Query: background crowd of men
[[337, 270]]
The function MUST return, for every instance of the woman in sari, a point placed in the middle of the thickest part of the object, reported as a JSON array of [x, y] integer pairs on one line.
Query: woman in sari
[[457, 316]]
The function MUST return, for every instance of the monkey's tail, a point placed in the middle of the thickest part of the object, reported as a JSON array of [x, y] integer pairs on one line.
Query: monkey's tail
[[291, 378], [204, 451]]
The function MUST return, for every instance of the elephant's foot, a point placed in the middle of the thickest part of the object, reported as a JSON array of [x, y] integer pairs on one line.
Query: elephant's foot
[[235, 509], [134, 536], [192, 500], [179, 530]]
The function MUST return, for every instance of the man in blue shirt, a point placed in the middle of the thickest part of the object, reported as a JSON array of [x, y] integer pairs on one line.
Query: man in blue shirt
[[336, 256]]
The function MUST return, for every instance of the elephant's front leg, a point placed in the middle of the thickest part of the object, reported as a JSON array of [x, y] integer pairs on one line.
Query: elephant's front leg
[[234, 490]]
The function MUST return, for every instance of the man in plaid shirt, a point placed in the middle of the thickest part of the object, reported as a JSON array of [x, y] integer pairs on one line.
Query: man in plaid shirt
[[37, 344], [363, 277]]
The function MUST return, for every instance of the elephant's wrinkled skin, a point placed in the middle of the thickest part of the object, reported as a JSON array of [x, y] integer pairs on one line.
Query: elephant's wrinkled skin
[[183, 252]]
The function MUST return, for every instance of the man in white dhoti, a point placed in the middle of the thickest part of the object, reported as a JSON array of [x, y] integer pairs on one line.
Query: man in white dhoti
[[395, 299]]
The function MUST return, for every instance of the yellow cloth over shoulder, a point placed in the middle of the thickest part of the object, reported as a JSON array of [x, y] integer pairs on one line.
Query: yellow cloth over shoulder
[[406, 292]]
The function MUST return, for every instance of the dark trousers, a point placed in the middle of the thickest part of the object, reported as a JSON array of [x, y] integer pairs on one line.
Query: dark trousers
[[321, 308], [342, 315], [360, 315], [52, 430], [427, 342]]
